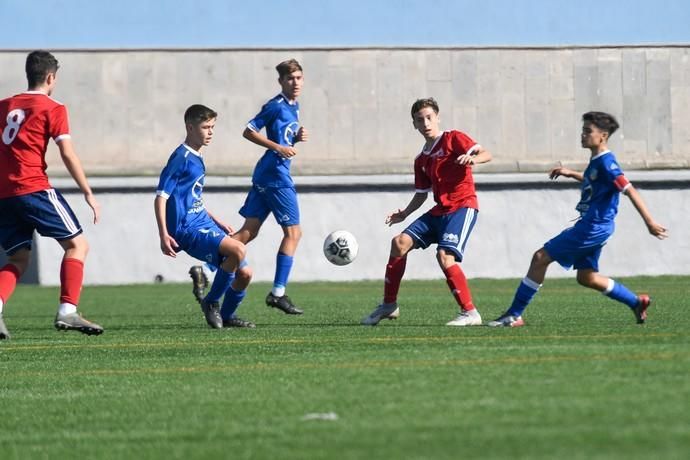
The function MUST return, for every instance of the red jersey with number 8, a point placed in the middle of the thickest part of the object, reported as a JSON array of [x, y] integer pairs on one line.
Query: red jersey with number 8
[[452, 184], [27, 122]]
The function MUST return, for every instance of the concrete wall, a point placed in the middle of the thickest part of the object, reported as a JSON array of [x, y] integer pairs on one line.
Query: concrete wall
[[522, 104], [518, 214]]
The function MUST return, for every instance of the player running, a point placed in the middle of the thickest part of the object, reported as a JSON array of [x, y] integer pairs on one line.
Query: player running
[[184, 223], [273, 190], [580, 245], [27, 200], [444, 167]]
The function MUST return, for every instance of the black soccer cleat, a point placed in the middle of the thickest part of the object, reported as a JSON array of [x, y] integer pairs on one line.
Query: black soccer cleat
[[282, 303], [199, 282], [212, 314], [238, 322]]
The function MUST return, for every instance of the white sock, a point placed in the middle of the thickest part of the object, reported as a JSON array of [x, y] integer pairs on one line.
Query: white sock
[[278, 291], [1, 305], [66, 309]]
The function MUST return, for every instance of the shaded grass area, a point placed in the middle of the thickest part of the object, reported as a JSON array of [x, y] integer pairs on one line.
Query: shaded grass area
[[581, 380]]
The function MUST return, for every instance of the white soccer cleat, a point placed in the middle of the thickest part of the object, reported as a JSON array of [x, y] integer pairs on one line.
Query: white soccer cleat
[[382, 312], [507, 320], [467, 318]]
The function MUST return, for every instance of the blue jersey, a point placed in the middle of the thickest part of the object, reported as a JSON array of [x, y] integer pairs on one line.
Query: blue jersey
[[281, 120], [603, 180], [181, 183]]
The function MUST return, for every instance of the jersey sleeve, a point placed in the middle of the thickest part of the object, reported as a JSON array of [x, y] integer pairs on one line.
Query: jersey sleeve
[[614, 173], [463, 144], [170, 175], [267, 114], [58, 123], [422, 182]]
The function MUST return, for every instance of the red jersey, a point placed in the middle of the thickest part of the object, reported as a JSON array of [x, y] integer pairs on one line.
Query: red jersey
[[27, 122], [452, 184]]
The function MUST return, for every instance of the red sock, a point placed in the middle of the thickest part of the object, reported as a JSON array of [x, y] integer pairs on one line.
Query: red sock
[[71, 279], [394, 273], [458, 286], [9, 274]]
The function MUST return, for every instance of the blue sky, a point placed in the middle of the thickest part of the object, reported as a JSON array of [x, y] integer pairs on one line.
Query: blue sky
[[305, 23]]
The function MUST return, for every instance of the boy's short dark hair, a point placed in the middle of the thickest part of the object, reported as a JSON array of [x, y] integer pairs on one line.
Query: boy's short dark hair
[[287, 67], [602, 120], [38, 65], [419, 104], [197, 114]]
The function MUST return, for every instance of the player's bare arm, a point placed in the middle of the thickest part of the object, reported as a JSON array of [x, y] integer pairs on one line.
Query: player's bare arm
[[73, 165], [654, 228], [168, 243], [284, 151], [475, 157], [558, 171], [401, 214]]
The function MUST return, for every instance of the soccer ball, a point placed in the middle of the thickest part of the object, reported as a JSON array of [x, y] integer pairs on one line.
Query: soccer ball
[[340, 247]]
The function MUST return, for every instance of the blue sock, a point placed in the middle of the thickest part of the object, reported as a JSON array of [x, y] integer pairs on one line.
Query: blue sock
[[231, 301], [619, 292], [220, 284], [283, 267], [523, 296]]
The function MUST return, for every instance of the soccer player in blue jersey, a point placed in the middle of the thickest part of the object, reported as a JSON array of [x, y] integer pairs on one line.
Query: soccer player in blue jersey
[[273, 190], [580, 245], [184, 223]]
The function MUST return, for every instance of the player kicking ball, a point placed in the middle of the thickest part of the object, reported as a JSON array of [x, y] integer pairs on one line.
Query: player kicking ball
[[580, 245], [27, 200], [184, 223], [444, 167]]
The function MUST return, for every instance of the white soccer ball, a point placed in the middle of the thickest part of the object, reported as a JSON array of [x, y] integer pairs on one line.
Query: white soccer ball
[[340, 247]]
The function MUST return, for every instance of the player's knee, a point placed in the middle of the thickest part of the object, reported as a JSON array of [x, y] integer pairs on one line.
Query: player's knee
[[585, 278], [399, 245], [294, 233], [21, 260], [540, 258], [244, 274]]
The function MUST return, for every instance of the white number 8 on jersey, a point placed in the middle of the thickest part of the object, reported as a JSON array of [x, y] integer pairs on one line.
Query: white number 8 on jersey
[[14, 120]]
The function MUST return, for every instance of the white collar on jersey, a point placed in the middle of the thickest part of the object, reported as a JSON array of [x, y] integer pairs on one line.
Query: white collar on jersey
[[192, 150], [35, 92], [287, 99], [600, 154], [433, 146]]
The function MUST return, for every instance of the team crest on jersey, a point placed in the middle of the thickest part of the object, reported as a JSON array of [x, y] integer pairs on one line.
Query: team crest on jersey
[[291, 132], [451, 238], [593, 175]]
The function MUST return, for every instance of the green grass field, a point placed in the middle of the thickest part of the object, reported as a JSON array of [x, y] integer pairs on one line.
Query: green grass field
[[581, 380]]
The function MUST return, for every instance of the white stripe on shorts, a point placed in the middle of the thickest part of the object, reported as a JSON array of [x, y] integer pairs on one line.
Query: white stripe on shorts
[[464, 233], [60, 209]]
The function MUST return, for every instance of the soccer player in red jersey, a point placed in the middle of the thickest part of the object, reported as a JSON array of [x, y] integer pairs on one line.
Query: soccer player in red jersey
[[27, 200], [444, 167]]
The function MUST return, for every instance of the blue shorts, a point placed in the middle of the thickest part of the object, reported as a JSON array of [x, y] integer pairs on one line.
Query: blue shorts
[[202, 243], [449, 231], [46, 212], [576, 248], [281, 201]]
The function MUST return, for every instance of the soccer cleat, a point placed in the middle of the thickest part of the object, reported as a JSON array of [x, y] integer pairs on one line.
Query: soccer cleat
[[4, 333], [282, 303], [381, 312], [212, 313], [507, 320], [467, 318], [199, 282], [643, 303], [75, 322], [238, 322]]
